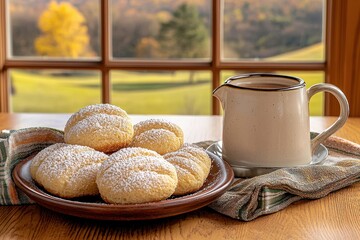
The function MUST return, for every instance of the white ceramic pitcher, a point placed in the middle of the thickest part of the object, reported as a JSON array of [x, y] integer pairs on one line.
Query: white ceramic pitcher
[[266, 120]]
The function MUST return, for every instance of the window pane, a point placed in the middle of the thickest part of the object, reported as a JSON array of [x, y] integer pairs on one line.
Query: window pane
[[317, 102], [50, 91], [161, 29], [273, 30], [54, 29], [162, 92]]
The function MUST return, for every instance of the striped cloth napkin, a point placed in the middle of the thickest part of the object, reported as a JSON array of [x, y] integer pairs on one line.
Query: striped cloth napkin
[[250, 198], [16, 146]]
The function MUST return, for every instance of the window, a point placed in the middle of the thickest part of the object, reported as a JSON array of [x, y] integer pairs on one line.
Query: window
[[165, 57]]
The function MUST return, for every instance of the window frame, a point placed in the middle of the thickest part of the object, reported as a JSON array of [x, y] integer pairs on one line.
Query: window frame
[[335, 15]]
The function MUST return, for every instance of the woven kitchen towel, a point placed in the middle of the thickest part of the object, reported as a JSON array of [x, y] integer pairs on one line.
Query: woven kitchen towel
[[16, 146], [250, 198]]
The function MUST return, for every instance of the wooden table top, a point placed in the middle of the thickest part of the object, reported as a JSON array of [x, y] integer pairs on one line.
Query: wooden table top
[[336, 216]]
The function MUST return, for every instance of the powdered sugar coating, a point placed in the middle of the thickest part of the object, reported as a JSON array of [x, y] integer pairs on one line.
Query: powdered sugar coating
[[135, 175], [124, 154], [148, 124], [41, 156], [199, 156], [158, 135], [103, 127], [89, 110], [67, 170], [192, 166]]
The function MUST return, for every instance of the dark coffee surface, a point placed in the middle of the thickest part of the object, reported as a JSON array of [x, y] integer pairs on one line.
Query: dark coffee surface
[[263, 85]]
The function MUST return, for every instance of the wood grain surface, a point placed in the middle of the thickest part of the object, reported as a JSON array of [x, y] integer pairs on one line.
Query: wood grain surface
[[335, 216]]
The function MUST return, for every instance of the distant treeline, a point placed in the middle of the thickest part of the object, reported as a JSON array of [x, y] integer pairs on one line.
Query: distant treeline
[[252, 29]]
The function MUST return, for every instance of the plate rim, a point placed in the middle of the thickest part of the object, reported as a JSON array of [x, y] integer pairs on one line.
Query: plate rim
[[144, 211]]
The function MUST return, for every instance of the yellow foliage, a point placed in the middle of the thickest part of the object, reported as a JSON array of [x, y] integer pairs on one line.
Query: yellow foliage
[[163, 16], [64, 32]]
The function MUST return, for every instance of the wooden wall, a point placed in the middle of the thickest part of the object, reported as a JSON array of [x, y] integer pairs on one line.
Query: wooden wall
[[343, 54]]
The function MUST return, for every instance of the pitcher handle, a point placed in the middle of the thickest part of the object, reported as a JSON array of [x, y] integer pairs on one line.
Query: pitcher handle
[[344, 111]]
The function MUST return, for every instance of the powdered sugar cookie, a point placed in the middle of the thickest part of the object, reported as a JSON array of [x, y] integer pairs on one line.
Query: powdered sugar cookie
[[158, 135], [192, 167], [104, 127], [66, 170], [136, 175]]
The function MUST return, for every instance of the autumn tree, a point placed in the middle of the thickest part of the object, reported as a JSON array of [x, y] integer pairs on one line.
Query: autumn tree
[[184, 35], [128, 30], [64, 33], [148, 48]]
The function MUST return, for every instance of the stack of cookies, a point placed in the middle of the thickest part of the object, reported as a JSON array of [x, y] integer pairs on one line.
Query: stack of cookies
[[104, 153]]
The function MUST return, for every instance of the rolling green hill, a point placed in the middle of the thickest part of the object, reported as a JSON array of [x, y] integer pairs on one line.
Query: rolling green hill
[[143, 92], [314, 52]]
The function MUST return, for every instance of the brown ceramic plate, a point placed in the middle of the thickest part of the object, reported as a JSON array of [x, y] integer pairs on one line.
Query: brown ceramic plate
[[219, 179]]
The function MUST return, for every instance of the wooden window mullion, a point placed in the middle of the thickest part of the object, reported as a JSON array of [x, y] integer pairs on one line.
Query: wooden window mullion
[[4, 102], [105, 51], [216, 51]]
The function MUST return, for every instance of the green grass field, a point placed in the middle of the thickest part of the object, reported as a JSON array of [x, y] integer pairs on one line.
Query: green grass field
[[136, 92], [144, 92]]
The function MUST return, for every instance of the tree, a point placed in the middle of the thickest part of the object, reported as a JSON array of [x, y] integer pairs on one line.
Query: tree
[[23, 33], [184, 35], [128, 29], [147, 48], [64, 33]]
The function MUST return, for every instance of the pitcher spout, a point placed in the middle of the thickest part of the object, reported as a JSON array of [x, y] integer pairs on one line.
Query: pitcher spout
[[220, 93]]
